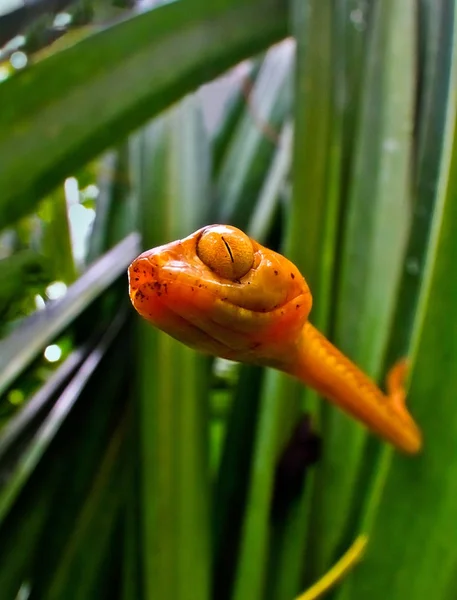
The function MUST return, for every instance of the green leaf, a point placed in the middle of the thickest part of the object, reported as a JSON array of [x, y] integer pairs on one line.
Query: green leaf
[[255, 139], [40, 403], [233, 479], [29, 458], [51, 122], [233, 112], [277, 417], [427, 483], [436, 43], [27, 341], [22, 275], [265, 208], [86, 550], [171, 168], [115, 214], [59, 462], [311, 240], [375, 234], [56, 234]]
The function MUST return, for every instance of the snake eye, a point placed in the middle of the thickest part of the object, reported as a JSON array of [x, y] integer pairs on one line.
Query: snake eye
[[227, 251]]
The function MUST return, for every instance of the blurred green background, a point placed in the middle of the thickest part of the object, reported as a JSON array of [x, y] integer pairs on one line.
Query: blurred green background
[[132, 468]]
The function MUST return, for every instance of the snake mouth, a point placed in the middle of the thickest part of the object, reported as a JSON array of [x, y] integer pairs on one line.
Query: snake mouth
[[168, 320], [149, 297]]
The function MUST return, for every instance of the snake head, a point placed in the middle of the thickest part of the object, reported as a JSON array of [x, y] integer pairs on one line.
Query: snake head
[[220, 292]]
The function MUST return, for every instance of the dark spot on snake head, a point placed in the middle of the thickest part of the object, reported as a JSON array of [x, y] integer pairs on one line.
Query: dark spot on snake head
[[292, 275], [276, 272]]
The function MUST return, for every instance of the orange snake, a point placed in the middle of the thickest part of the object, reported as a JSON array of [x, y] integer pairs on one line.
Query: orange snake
[[222, 293]]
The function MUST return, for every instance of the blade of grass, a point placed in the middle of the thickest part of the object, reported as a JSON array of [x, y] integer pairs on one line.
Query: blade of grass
[[311, 238], [26, 522], [23, 345], [107, 180], [193, 561], [262, 217], [53, 213], [39, 402], [277, 416], [131, 567], [432, 93], [377, 221], [429, 481], [233, 112], [38, 445], [75, 576], [254, 142], [158, 460], [436, 20], [80, 443], [357, 21], [51, 123], [115, 212], [173, 169], [76, 439], [22, 275], [233, 479]]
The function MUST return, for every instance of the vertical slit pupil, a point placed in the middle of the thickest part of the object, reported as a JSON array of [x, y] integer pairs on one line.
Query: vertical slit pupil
[[228, 249]]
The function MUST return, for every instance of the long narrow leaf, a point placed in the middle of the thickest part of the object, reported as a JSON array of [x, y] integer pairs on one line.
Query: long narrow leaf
[[30, 457], [311, 237], [76, 576], [423, 542], [437, 33], [277, 417], [40, 401], [23, 345], [254, 142], [233, 480], [375, 233], [171, 169], [51, 122]]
